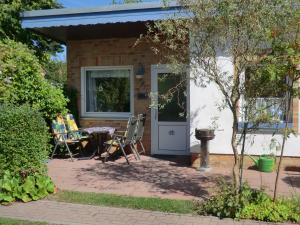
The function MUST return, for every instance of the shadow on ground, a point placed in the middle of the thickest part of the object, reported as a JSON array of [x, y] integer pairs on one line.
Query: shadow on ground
[[162, 175]]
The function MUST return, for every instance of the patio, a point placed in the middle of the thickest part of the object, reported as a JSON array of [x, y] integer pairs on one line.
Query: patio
[[158, 177]]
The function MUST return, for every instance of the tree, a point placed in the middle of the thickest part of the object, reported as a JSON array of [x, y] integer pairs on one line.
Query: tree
[[22, 77], [240, 30], [10, 26], [56, 72]]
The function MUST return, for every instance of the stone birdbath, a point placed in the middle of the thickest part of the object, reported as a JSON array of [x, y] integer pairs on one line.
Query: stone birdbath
[[204, 135]]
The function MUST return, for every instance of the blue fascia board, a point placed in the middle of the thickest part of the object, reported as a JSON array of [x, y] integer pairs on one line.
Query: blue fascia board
[[104, 17]]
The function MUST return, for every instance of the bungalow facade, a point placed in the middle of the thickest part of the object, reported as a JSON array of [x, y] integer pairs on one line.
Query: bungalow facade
[[116, 78]]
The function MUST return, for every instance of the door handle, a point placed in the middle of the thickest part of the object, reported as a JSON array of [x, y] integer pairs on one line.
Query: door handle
[[171, 132]]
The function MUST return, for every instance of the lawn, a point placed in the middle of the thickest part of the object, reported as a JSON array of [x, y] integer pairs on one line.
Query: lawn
[[7, 221], [155, 204]]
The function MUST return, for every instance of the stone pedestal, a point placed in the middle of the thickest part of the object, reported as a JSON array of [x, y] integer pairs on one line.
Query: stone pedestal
[[204, 135]]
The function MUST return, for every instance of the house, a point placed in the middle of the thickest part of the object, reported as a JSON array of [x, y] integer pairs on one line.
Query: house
[[114, 79]]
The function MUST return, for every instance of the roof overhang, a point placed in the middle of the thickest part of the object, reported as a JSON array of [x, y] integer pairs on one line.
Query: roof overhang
[[99, 22]]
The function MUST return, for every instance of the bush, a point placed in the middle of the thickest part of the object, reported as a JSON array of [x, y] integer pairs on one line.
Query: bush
[[72, 95], [26, 188], [22, 76], [24, 139], [249, 204]]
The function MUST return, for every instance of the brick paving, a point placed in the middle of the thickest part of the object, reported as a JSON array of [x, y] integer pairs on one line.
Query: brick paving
[[68, 213], [153, 177]]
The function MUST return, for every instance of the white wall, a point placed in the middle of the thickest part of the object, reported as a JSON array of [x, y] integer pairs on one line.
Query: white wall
[[203, 109]]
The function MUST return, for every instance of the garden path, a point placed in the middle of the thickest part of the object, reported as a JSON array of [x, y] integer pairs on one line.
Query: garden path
[[76, 214]]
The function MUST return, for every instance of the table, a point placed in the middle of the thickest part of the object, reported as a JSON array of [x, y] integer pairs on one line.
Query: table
[[101, 135]]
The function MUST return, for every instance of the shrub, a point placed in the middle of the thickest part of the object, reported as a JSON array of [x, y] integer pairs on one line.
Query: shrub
[[24, 139], [22, 76], [249, 204], [279, 211], [72, 95], [14, 187]]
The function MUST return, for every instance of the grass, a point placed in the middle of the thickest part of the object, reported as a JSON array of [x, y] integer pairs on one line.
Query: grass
[[100, 199], [7, 221]]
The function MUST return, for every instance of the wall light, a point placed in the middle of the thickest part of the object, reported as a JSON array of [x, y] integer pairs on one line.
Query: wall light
[[140, 71]]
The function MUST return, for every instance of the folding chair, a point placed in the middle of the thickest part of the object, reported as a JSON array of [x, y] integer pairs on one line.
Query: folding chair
[[73, 131], [119, 142], [61, 136], [141, 119]]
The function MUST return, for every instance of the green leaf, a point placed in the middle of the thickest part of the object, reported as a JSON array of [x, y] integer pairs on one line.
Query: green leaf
[[50, 187], [25, 198], [29, 184], [4, 197]]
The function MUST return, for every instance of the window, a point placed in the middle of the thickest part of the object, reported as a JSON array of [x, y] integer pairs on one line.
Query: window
[[107, 92], [270, 102]]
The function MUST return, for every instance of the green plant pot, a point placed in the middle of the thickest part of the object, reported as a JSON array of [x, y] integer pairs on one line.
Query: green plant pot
[[266, 163]]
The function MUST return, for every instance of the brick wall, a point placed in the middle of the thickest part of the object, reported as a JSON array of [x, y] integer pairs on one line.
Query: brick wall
[[113, 52]]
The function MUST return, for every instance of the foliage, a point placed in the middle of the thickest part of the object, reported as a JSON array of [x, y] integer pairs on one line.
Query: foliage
[[23, 139], [56, 72], [103, 199], [10, 25], [217, 33], [113, 94], [249, 204], [72, 94], [14, 187], [22, 77], [267, 210]]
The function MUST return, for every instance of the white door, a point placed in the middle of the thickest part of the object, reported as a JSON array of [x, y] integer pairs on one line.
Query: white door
[[169, 127]]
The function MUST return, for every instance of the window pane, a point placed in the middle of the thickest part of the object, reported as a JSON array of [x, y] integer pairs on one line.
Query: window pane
[[108, 91], [273, 107], [171, 97]]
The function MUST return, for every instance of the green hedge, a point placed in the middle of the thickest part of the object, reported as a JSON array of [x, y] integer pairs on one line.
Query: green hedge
[[24, 139]]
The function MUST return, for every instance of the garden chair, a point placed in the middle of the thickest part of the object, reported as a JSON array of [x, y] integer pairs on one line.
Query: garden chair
[[73, 131], [61, 136], [120, 141], [140, 127]]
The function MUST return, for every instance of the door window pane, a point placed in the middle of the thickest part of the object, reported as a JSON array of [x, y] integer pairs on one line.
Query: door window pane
[[171, 97], [108, 90]]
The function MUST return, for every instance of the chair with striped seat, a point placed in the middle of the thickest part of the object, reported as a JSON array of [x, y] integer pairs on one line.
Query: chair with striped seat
[[73, 130], [61, 136]]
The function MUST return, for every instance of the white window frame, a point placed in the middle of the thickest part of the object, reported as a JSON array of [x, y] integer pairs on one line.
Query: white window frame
[[263, 126], [112, 115]]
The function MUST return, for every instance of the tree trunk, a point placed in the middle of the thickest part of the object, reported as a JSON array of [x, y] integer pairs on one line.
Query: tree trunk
[[243, 155], [236, 165], [284, 137]]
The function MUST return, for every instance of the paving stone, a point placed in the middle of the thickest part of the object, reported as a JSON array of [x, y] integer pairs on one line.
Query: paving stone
[[63, 213], [153, 177]]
